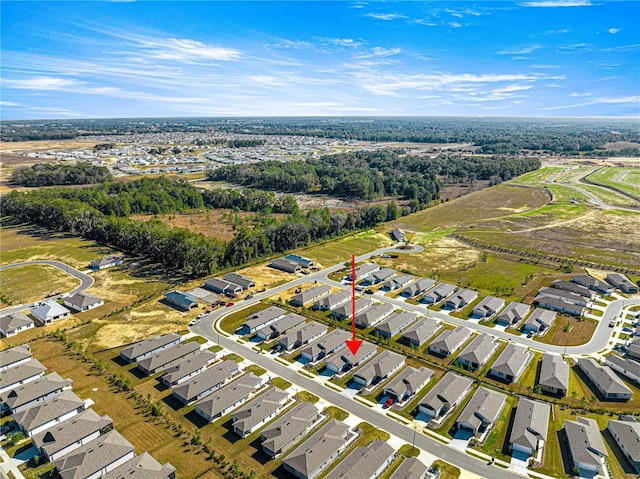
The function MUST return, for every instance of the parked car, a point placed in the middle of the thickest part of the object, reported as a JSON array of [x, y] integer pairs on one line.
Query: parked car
[[249, 296], [369, 291], [194, 322], [230, 304], [389, 403], [612, 324]]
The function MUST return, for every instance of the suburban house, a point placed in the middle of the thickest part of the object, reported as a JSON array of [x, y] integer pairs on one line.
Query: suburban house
[[68, 436], [229, 397], [284, 432], [555, 304], [369, 461], [259, 411], [96, 458], [572, 287], [23, 373], [49, 413], [406, 384], [344, 360], [482, 411], [282, 326], [314, 455], [634, 349], [33, 392], [460, 299], [477, 351], [285, 265], [449, 341], [345, 311], [563, 295], [488, 307], [149, 347], [398, 235], [627, 436], [513, 313], [530, 426], [83, 302], [411, 468], [440, 292], [307, 333], [12, 324], [605, 380], [332, 301], [380, 276], [627, 367], [540, 320], [511, 363], [49, 311], [143, 466], [554, 375], [326, 345], [621, 282], [223, 286], [106, 262], [205, 382], [240, 279], [419, 334], [262, 318], [593, 283], [168, 357], [398, 282], [181, 300], [188, 368], [301, 260], [311, 295], [13, 356], [418, 287], [379, 368], [395, 323], [445, 395], [363, 271], [585, 444], [373, 315]]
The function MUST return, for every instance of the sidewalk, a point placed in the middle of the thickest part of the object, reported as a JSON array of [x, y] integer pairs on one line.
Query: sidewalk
[[9, 465]]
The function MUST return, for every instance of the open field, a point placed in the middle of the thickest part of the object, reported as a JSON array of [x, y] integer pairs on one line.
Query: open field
[[340, 250], [580, 332], [266, 276], [41, 278], [624, 179]]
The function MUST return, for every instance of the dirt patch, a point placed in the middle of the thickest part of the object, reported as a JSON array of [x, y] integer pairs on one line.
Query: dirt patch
[[267, 277], [580, 332]]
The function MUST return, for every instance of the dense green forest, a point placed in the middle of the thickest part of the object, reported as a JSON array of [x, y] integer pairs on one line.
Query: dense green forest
[[60, 174]]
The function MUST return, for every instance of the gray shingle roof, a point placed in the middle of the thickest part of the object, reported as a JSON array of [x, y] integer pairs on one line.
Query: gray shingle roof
[[229, 394], [572, 288], [418, 286], [168, 356], [363, 462], [383, 274], [311, 294], [541, 317], [328, 343], [554, 372], [332, 300], [422, 331], [628, 433], [364, 269], [289, 426], [284, 324], [346, 311], [82, 300], [148, 345], [511, 360], [626, 364], [262, 317], [15, 354], [22, 371], [204, 381], [373, 315], [409, 380], [188, 366], [411, 468], [484, 408], [11, 322], [46, 411], [488, 306], [514, 312], [585, 441], [345, 357], [240, 279], [258, 409], [396, 321], [603, 376], [441, 291], [478, 350], [381, 365], [530, 423], [302, 335], [462, 298], [448, 391], [143, 466], [33, 390], [451, 340]]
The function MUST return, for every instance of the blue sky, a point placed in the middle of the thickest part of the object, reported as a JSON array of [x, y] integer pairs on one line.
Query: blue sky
[[146, 59]]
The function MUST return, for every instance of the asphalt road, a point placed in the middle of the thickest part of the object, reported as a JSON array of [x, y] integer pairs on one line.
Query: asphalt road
[[86, 281]]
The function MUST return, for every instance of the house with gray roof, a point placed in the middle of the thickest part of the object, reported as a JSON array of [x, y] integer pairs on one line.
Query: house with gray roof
[[365, 462], [13, 356], [285, 265], [446, 395], [559, 305], [188, 368], [364, 270], [379, 368], [488, 307], [625, 366], [400, 281], [143, 466], [398, 235], [15, 323], [418, 287], [168, 357], [314, 455], [540, 320], [106, 262], [181, 300], [460, 299], [627, 436], [344, 360], [96, 458], [604, 380], [407, 384], [411, 468], [440, 292], [240, 279], [301, 336], [229, 397], [585, 444], [530, 426], [562, 295], [572, 287], [262, 319], [311, 295], [554, 375], [450, 341], [345, 311], [223, 286], [373, 315], [513, 313], [395, 323], [81, 302], [301, 260], [33, 392], [593, 283], [420, 333], [283, 433], [259, 411], [49, 413], [206, 382], [621, 282], [73, 433], [23, 373], [482, 412], [332, 301], [477, 351], [149, 347], [48, 312], [282, 326], [326, 345], [634, 349], [511, 363]]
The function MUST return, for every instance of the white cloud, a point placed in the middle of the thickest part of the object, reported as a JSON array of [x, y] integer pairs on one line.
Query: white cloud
[[9, 103], [519, 51], [43, 83], [385, 52], [633, 100], [613, 31], [386, 16], [181, 49], [557, 3], [345, 42], [290, 44], [455, 25]]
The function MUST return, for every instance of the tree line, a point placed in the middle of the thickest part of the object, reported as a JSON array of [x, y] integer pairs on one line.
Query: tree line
[[42, 174]]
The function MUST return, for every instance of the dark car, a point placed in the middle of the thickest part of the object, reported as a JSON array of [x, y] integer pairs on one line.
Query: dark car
[[369, 291]]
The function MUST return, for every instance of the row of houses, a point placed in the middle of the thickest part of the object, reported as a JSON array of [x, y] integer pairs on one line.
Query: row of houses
[[231, 284], [292, 263]]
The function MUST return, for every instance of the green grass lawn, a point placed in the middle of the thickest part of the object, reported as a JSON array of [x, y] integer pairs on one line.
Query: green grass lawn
[[340, 250], [42, 280], [495, 441], [448, 471]]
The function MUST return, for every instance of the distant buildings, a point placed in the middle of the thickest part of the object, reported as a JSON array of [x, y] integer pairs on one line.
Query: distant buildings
[[106, 262], [285, 265]]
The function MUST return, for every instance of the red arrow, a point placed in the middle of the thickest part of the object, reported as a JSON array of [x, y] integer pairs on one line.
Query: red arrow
[[353, 344]]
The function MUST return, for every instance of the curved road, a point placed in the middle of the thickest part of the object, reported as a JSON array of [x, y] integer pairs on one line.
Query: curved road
[[86, 281]]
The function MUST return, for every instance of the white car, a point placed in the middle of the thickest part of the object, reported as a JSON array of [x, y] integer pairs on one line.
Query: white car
[[194, 322]]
